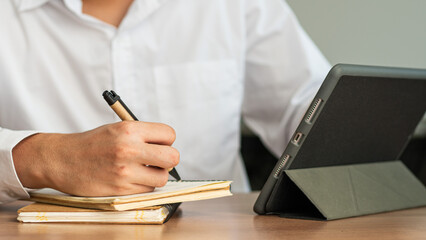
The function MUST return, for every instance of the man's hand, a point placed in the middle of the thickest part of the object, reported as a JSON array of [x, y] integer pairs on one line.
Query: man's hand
[[117, 159]]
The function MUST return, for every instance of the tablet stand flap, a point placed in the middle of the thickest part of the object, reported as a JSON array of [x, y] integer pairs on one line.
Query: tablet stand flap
[[359, 189]]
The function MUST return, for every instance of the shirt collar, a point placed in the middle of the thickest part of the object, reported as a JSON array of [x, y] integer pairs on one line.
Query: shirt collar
[[139, 11], [24, 5], [75, 6], [143, 8]]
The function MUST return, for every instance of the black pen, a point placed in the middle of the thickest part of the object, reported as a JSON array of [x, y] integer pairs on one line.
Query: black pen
[[115, 102]]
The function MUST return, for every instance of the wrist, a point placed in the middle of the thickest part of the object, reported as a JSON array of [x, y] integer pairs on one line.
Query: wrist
[[30, 159]]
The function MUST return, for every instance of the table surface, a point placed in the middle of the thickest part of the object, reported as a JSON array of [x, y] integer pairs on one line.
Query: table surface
[[224, 218]]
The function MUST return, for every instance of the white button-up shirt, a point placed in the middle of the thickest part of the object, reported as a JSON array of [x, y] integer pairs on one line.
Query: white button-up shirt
[[195, 65]]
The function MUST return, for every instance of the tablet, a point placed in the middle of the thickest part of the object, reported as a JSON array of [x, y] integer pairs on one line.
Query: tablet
[[361, 114]]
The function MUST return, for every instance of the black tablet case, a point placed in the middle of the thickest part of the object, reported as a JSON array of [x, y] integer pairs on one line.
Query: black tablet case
[[365, 118]]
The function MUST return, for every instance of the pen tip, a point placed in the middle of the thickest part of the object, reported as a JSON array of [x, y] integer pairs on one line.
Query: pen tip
[[175, 174]]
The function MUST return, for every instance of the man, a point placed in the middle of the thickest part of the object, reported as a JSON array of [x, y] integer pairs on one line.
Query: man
[[191, 68]]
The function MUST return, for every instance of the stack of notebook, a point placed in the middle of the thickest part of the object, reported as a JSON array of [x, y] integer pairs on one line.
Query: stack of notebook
[[147, 208]]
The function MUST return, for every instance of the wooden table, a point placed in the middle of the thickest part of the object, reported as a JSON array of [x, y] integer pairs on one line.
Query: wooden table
[[224, 218]]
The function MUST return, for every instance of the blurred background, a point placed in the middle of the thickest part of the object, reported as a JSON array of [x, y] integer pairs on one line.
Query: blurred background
[[379, 32]]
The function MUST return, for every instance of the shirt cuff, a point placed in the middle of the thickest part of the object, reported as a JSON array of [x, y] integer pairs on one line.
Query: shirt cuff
[[10, 186]]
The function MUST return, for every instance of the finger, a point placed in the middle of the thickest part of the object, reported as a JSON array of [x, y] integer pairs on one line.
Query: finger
[[158, 155], [127, 189], [157, 133], [148, 176], [138, 188]]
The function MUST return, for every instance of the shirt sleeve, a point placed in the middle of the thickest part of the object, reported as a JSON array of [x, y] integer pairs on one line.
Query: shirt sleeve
[[10, 187], [283, 71]]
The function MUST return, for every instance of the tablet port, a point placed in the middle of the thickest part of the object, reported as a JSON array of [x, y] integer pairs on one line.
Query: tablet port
[[297, 139], [314, 108]]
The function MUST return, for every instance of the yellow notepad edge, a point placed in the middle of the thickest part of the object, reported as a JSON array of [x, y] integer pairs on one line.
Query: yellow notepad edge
[[110, 203]]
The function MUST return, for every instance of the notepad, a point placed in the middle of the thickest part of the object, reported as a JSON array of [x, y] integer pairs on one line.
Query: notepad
[[45, 213], [172, 192]]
